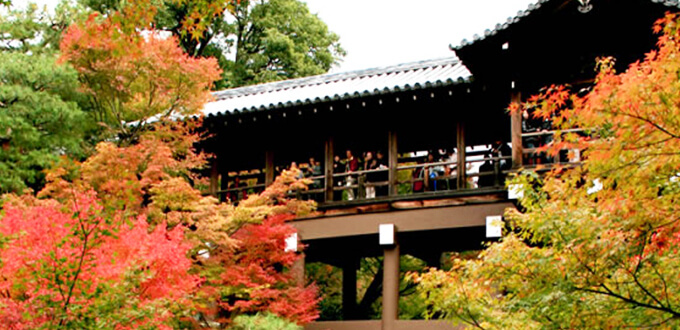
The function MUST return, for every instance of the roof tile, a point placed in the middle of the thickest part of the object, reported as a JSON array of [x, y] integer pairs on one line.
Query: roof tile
[[339, 86]]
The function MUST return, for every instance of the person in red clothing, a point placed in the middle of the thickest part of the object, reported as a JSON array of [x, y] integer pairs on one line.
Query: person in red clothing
[[351, 163]]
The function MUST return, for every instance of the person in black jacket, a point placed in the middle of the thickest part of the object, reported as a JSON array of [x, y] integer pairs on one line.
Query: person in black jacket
[[499, 150], [370, 163], [486, 180]]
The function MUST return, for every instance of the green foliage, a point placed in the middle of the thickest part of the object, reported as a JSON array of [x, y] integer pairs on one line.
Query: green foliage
[[39, 118], [34, 30], [405, 187], [266, 321], [329, 281], [411, 305], [19, 28], [277, 40]]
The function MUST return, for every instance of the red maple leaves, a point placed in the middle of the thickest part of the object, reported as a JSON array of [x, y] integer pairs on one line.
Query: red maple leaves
[[65, 261], [260, 274]]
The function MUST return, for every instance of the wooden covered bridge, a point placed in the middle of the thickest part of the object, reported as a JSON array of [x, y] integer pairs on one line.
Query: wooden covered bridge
[[452, 109]]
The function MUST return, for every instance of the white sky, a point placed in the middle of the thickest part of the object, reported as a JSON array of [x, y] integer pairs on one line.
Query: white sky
[[385, 32]]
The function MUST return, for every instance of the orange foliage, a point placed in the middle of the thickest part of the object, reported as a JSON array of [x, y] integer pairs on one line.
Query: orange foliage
[[134, 76], [593, 246]]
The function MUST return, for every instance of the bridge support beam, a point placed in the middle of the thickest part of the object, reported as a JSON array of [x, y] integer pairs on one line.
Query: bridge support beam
[[390, 294]]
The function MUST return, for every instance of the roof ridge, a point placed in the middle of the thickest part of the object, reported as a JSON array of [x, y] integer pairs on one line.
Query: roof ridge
[[501, 26], [334, 77]]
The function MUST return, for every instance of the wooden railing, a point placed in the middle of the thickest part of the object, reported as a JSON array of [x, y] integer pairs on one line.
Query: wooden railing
[[545, 161], [373, 184]]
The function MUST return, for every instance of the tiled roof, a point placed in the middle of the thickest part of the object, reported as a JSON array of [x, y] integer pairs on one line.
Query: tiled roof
[[523, 13], [339, 86]]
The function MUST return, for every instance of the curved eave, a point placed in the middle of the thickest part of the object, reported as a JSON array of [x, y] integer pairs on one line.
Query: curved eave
[[533, 7]]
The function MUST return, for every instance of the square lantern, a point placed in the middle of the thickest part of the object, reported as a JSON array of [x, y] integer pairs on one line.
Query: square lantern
[[386, 234], [515, 191], [292, 243], [494, 226]]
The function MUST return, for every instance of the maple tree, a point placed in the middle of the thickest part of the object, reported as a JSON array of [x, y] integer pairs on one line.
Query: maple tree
[[69, 266], [133, 75], [595, 246], [109, 68], [256, 273], [238, 251], [130, 236]]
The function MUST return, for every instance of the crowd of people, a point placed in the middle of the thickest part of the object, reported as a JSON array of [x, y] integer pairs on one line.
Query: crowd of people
[[366, 176], [371, 177]]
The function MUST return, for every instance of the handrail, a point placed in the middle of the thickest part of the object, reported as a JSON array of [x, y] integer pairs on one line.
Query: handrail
[[359, 172], [552, 132], [435, 164]]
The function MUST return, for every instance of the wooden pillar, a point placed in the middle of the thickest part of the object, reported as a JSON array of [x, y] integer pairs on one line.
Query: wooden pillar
[[390, 294], [214, 177], [298, 270], [349, 288], [328, 168], [516, 132], [393, 160], [460, 146], [269, 167]]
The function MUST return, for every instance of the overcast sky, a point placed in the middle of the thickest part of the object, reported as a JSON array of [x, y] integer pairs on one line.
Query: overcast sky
[[384, 32]]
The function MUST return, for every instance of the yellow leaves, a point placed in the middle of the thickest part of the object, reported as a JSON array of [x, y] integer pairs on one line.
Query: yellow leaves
[[214, 222], [174, 194]]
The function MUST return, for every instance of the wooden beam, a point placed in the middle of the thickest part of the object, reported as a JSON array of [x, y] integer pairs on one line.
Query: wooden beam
[[431, 218], [393, 160], [390, 298], [269, 167], [329, 152], [460, 146], [516, 131]]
